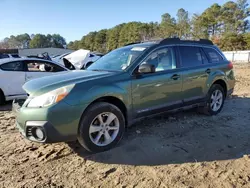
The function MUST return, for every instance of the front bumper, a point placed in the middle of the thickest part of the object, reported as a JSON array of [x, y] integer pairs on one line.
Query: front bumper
[[59, 123], [51, 135]]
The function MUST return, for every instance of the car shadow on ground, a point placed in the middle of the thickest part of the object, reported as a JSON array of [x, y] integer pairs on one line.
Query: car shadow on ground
[[182, 137], [6, 107]]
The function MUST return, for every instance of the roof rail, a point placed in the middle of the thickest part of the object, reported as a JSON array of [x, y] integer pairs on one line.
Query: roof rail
[[138, 42], [178, 41], [132, 43], [206, 41]]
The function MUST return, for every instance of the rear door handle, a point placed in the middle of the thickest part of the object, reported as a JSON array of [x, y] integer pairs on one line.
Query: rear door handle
[[208, 71], [175, 77]]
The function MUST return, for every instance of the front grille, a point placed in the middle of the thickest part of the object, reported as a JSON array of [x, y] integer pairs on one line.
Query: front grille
[[20, 102], [29, 131], [16, 105]]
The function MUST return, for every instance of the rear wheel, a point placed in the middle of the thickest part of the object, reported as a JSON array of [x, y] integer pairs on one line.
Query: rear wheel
[[215, 101], [101, 127], [2, 97]]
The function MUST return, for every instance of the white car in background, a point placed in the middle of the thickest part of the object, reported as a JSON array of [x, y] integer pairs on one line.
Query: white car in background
[[79, 59], [58, 58], [15, 72]]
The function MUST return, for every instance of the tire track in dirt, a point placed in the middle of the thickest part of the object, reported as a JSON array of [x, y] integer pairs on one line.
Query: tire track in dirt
[[173, 150]]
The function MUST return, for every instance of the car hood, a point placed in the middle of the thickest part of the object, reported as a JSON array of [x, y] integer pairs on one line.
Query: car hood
[[77, 58], [42, 85]]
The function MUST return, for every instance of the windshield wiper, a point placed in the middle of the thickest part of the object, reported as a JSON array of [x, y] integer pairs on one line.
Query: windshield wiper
[[102, 70], [97, 70]]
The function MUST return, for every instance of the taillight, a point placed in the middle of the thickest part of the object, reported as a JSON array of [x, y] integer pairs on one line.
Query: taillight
[[230, 65]]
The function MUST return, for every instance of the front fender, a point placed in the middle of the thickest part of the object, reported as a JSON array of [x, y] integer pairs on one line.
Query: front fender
[[107, 91], [86, 95]]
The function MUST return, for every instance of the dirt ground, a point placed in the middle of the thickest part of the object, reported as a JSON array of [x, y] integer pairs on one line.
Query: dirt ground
[[172, 150]]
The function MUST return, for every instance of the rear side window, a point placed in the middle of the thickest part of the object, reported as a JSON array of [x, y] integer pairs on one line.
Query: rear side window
[[190, 56], [12, 66], [213, 55], [15, 56], [43, 66], [2, 56], [204, 58]]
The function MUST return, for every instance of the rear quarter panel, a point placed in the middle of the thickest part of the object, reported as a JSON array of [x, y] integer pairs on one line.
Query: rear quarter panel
[[220, 71]]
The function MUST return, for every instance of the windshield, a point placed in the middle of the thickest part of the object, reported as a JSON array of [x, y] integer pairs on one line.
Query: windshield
[[117, 60]]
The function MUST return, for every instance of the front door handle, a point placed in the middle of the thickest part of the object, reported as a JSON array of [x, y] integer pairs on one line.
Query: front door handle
[[175, 77], [208, 71]]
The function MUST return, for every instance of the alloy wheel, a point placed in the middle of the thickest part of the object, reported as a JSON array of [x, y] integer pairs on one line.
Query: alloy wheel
[[104, 129], [216, 100]]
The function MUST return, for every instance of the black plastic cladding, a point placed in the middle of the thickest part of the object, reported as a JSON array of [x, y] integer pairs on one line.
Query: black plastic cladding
[[178, 41], [175, 41], [132, 43]]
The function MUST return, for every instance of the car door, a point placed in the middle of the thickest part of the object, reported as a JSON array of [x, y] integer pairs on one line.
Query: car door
[[195, 71], [12, 78], [158, 91], [39, 68]]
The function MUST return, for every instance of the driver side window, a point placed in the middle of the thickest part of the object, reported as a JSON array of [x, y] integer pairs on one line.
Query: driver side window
[[162, 59], [42, 66]]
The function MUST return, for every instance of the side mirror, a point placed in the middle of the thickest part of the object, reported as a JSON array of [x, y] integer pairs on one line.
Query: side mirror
[[146, 68]]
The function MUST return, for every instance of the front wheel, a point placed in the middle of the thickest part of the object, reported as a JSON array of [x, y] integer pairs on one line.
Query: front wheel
[[215, 100], [101, 127], [2, 98]]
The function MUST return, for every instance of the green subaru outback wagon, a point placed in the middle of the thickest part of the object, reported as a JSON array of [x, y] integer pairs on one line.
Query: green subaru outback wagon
[[94, 106]]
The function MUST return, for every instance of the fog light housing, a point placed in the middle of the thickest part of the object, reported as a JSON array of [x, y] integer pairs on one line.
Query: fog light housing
[[38, 133]]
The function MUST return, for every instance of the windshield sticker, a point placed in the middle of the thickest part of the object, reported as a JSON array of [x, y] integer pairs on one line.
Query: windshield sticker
[[138, 49]]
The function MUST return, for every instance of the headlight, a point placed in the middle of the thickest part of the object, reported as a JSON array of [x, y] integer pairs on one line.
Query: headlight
[[51, 97]]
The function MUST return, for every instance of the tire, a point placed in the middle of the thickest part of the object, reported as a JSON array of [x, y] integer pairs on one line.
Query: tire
[[92, 134], [213, 108], [2, 97]]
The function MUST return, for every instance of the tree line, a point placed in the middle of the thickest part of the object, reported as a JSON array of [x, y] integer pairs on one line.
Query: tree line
[[33, 41], [226, 25]]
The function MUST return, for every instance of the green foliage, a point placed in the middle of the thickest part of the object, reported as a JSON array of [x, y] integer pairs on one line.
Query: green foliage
[[88, 41], [74, 45], [167, 27], [211, 20], [33, 41], [100, 41], [183, 24], [199, 29], [19, 41], [247, 40], [113, 37], [39, 41], [56, 41], [232, 41]]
